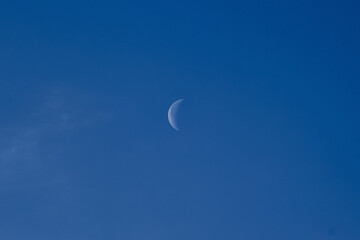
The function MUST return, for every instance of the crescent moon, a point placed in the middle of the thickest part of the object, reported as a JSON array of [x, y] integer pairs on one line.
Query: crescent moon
[[172, 113]]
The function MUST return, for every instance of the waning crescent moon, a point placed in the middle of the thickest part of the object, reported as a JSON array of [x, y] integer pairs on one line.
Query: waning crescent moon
[[172, 114]]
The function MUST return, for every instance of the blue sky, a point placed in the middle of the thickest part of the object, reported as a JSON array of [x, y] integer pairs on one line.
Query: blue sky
[[269, 146]]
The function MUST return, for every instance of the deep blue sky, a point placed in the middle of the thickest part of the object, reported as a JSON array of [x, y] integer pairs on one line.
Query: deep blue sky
[[269, 146]]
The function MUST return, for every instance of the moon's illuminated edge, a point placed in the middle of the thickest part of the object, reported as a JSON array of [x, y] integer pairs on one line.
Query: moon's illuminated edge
[[172, 114]]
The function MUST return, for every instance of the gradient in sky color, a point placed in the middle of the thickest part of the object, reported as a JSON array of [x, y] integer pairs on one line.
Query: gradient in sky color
[[269, 146]]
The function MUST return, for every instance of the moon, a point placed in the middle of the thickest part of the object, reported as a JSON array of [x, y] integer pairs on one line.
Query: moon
[[172, 113]]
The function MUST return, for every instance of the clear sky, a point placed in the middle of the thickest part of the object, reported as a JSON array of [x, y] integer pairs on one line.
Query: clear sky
[[269, 140]]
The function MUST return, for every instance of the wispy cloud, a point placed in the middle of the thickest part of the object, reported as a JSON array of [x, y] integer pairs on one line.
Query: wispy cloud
[[19, 150], [21, 145]]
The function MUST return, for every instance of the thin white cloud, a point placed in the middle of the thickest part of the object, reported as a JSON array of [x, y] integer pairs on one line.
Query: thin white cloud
[[21, 145], [18, 151]]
